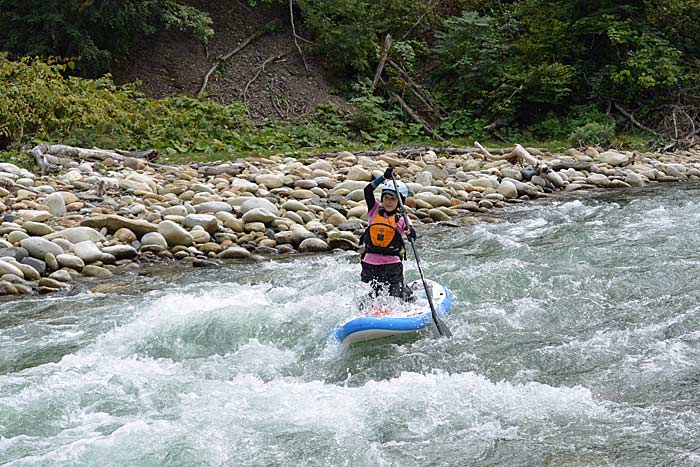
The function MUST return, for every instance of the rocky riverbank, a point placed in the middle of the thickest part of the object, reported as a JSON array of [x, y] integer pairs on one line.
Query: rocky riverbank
[[95, 219]]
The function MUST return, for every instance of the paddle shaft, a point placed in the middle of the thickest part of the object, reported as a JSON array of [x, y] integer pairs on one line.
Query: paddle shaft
[[440, 327]]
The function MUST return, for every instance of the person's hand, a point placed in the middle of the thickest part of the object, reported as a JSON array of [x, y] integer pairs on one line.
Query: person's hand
[[411, 234], [388, 173]]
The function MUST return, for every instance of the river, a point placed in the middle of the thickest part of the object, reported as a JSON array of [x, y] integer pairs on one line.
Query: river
[[576, 343]]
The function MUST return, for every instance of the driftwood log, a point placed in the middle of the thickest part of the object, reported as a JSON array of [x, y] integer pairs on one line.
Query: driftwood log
[[51, 158]]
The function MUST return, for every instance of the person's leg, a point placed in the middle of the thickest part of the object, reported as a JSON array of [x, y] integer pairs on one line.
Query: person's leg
[[371, 274], [393, 275]]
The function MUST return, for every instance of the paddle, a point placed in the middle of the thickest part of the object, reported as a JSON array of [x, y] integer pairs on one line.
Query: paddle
[[439, 328]]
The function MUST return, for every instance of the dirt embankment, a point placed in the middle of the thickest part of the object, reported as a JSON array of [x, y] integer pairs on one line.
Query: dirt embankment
[[175, 63]]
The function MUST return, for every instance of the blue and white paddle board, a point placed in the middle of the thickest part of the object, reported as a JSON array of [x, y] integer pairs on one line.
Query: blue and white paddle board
[[398, 319]]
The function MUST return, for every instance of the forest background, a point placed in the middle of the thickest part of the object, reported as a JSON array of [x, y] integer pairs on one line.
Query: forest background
[[314, 75]]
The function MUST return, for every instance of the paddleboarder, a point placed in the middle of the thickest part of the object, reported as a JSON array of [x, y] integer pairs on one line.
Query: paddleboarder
[[382, 265]]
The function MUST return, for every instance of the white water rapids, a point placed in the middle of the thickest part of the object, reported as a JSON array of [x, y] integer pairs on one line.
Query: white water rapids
[[576, 343]]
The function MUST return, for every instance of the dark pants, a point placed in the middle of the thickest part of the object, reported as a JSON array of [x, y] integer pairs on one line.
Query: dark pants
[[384, 278]]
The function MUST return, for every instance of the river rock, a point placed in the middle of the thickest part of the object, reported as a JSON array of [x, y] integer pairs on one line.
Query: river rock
[[359, 174], [96, 271], [199, 235], [17, 236], [52, 283], [38, 247], [508, 189], [154, 239], [206, 221], [17, 253], [258, 215], [634, 179], [36, 264], [113, 223], [424, 178], [7, 268], [613, 158], [70, 261], [120, 251], [28, 272], [213, 206], [77, 235], [87, 251], [294, 205], [270, 181], [37, 228], [230, 221], [125, 235], [313, 245], [255, 203], [174, 234], [598, 180], [298, 235], [61, 275], [433, 200], [56, 204], [34, 216], [234, 252]]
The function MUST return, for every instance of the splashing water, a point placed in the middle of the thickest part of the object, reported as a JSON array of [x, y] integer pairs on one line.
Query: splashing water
[[576, 343]]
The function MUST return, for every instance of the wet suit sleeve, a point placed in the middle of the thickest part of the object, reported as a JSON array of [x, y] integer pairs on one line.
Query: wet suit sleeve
[[369, 192]]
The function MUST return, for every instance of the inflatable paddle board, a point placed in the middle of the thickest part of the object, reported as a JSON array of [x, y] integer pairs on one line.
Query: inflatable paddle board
[[379, 321]]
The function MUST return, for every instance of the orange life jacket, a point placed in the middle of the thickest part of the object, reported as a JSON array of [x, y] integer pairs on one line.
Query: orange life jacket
[[382, 237]]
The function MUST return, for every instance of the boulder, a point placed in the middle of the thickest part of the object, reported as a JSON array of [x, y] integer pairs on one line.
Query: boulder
[[508, 189], [96, 271], [56, 204], [270, 181], [87, 251], [7, 268], [77, 235], [258, 215], [432, 199], [313, 245], [120, 251], [234, 252], [254, 203], [213, 206], [359, 174], [113, 223], [37, 247], [613, 158], [70, 261], [154, 239], [37, 228], [174, 234], [207, 221], [178, 210]]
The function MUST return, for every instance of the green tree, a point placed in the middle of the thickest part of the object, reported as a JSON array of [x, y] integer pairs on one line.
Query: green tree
[[91, 32]]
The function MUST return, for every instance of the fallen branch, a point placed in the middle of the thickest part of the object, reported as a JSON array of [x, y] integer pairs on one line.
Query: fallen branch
[[425, 99], [405, 152], [294, 33], [634, 120], [417, 118], [386, 47], [241, 46]]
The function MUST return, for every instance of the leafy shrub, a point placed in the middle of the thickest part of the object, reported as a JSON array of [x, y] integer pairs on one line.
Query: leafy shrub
[[592, 134], [39, 104]]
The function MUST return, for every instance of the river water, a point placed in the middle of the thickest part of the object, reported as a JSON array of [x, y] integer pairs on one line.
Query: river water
[[576, 343]]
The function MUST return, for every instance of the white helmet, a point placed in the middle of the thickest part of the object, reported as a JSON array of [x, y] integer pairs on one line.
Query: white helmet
[[388, 187]]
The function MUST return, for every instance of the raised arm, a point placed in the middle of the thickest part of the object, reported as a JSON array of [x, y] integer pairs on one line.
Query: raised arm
[[371, 186]]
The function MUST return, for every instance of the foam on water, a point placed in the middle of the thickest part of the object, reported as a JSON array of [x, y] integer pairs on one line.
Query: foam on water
[[575, 343]]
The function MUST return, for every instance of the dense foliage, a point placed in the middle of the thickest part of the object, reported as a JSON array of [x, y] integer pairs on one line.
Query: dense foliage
[[513, 68], [39, 104], [91, 33]]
